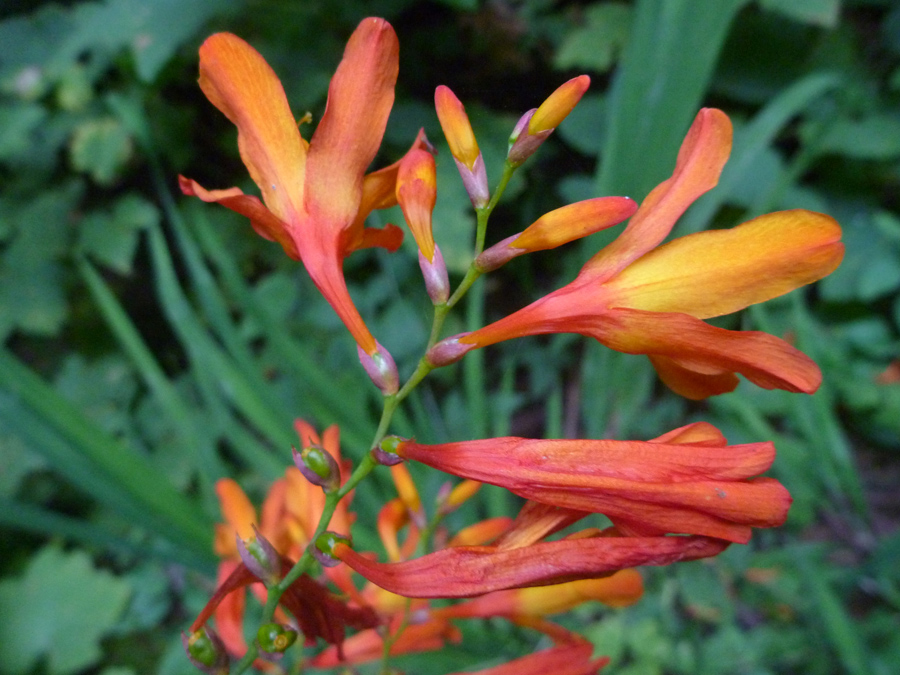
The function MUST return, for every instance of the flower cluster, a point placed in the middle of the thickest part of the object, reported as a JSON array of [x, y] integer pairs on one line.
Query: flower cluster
[[682, 496]]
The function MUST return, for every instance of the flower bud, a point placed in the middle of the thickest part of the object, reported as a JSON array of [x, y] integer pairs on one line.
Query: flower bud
[[536, 125], [463, 146], [453, 499], [274, 638], [260, 557], [416, 193], [318, 467], [323, 546], [206, 651], [447, 351], [381, 368], [385, 453], [437, 282]]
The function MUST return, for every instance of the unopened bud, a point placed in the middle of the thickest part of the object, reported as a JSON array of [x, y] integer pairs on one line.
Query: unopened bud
[[456, 497], [260, 557], [498, 255], [447, 351], [385, 453], [463, 146], [437, 282], [322, 548], [206, 651], [318, 467], [275, 638], [536, 125], [381, 368]]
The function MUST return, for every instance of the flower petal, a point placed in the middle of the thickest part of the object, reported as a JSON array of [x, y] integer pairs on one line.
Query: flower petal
[[566, 659], [236, 507], [468, 571], [346, 141], [574, 221], [691, 344], [700, 161], [417, 194], [456, 126], [266, 223], [722, 271], [239, 82]]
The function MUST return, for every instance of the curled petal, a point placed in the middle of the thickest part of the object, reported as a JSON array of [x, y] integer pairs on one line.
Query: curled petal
[[473, 570], [237, 510], [427, 636], [700, 161], [566, 659], [706, 353], [722, 271], [266, 223]]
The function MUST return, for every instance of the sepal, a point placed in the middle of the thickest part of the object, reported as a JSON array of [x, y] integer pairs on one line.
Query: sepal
[[381, 369], [206, 651], [318, 467], [260, 557]]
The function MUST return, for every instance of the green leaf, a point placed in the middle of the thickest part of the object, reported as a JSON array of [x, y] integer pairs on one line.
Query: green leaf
[[596, 44], [874, 137], [665, 71], [100, 147], [111, 236], [59, 609], [823, 13]]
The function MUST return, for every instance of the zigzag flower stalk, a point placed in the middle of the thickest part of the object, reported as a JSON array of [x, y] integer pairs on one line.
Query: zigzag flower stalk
[[638, 297], [315, 195]]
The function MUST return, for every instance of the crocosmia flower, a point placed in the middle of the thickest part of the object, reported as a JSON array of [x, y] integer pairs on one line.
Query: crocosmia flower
[[639, 297], [315, 195], [689, 481]]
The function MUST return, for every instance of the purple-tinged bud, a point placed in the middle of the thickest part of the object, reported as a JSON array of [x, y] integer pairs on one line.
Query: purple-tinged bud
[[522, 144], [206, 651], [260, 557], [447, 351], [318, 467], [381, 368], [498, 255], [437, 283], [275, 638], [475, 181], [322, 548], [536, 125], [385, 453]]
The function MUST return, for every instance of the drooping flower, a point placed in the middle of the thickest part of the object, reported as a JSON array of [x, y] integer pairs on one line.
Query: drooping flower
[[638, 297], [315, 195], [522, 557], [689, 481]]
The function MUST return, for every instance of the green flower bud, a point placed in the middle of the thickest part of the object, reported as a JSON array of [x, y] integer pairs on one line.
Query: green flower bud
[[274, 638]]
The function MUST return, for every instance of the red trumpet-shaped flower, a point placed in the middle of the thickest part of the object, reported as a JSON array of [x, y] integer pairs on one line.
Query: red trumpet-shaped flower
[[686, 482], [315, 195], [638, 297]]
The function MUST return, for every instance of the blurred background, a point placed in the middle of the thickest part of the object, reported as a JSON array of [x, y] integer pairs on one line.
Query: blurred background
[[153, 344]]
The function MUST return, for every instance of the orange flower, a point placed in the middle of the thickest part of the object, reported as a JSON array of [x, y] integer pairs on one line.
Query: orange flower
[[638, 297], [315, 196], [290, 514], [689, 481]]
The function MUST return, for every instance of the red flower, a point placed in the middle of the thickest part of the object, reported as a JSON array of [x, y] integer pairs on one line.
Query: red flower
[[688, 481], [638, 297], [315, 196]]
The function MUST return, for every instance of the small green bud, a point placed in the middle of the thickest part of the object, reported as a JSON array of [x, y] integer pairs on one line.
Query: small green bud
[[318, 467], [274, 638], [260, 557], [323, 547], [386, 452], [206, 651]]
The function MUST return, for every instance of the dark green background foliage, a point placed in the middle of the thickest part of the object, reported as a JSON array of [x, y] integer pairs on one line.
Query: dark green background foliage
[[153, 344]]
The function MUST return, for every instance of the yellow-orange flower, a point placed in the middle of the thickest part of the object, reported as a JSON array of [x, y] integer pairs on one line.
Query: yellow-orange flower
[[638, 297], [315, 196]]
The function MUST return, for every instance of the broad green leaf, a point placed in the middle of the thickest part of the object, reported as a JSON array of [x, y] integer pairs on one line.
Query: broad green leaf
[[874, 137], [665, 70], [58, 610], [100, 148], [596, 44]]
